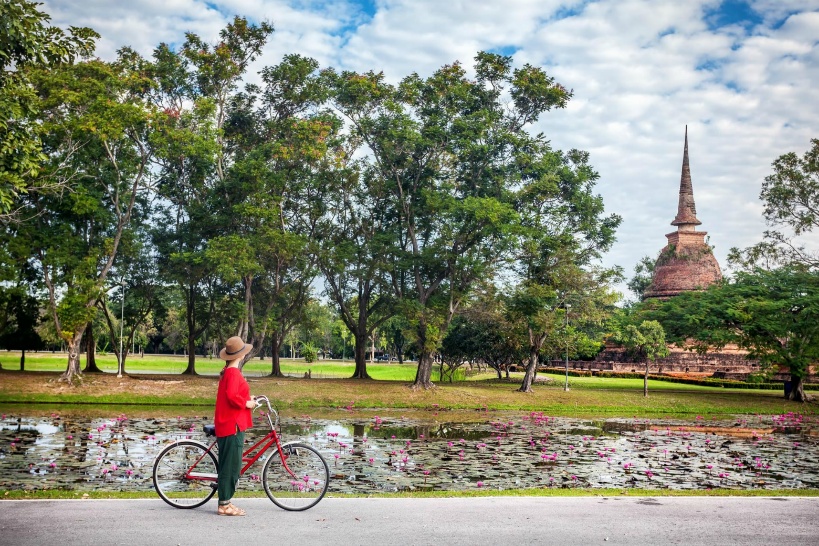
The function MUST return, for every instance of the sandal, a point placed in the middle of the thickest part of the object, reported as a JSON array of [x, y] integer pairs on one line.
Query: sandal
[[230, 510]]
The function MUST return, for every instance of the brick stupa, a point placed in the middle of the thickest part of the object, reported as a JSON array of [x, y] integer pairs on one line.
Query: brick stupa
[[687, 262]]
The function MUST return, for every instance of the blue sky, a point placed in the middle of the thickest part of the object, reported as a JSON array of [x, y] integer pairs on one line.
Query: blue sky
[[741, 74]]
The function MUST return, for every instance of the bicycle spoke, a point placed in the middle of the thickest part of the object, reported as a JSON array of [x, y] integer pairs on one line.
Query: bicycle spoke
[[303, 485], [170, 471]]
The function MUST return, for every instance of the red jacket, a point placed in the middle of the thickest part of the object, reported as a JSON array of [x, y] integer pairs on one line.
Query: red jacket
[[231, 397]]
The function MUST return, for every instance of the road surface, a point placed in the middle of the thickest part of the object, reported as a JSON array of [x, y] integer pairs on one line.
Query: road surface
[[400, 521]]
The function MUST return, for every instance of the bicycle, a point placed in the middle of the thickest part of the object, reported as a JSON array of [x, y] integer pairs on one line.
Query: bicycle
[[295, 476]]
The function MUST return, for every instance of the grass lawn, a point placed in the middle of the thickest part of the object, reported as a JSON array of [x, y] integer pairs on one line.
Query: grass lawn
[[171, 364], [156, 381]]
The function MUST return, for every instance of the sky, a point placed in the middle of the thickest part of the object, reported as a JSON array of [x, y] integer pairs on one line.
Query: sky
[[743, 76]]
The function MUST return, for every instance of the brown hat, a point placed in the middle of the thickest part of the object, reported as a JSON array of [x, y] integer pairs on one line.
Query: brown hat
[[235, 348]]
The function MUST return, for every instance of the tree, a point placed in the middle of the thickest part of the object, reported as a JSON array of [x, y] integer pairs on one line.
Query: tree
[[643, 275], [644, 342], [274, 195], [140, 287], [563, 231], [357, 251], [791, 199], [95, 127], [484, 334], [195, 87], [18, 329], [445, 148], [774, 315], [26, 41]]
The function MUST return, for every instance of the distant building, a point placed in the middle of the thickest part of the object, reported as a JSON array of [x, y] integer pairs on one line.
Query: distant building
[[687, 262]]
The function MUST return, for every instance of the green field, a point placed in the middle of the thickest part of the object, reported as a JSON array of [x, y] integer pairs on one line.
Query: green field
[[156, 381], [320, 369], [170, 364]]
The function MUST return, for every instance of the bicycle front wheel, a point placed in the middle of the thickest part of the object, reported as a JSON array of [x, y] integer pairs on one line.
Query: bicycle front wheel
[[185, 474], [300, 481]]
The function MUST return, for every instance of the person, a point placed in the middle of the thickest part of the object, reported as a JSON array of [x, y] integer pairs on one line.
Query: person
[[232, 417]]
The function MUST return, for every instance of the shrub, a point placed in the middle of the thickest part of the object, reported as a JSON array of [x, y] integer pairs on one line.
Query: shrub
[[309, 352]]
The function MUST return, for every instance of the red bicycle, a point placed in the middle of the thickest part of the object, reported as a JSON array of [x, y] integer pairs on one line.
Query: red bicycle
[[295, 476]]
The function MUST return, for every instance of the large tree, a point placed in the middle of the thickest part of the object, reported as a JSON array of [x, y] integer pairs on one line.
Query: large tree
[[195, 87], [273, 197], [446, 148], [357, 252], [95, 126], [563, 231], [774, 315]]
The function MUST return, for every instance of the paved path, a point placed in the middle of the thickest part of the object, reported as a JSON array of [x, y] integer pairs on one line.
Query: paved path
[[384, 522]]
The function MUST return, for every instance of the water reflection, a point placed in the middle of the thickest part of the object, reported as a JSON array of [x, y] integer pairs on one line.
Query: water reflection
[[371, 454]]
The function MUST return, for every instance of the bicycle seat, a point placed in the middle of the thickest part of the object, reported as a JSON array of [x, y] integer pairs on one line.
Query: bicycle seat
[[210, 430]]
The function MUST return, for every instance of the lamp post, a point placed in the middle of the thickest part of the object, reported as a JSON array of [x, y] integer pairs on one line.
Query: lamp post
[[566, 385], [121, 366]]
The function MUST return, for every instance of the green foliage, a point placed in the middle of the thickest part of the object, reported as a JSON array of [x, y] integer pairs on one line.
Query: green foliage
[[26, 42], [643, 275], [309, 352], [643, 342], [771, 314], [450, 155], [791, 199]]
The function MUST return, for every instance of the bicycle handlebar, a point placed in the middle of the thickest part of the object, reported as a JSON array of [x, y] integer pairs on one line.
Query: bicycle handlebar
[[262, 398]]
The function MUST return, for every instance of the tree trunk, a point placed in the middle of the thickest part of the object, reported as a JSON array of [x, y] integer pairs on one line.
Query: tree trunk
[[276, 340], [121, 359], [531, 368], [91, 350], [360, 351], [797, 390], [191, 369], [645, 381], [72, 371], [423, 376], [23, 360]]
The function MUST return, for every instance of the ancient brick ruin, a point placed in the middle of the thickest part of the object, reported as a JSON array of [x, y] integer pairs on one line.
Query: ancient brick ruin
[[687, 262]]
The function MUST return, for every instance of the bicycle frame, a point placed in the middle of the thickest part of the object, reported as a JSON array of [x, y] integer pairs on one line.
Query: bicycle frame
[[269, 439]]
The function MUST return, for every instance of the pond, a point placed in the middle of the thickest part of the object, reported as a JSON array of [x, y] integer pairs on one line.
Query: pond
[[373, 453]]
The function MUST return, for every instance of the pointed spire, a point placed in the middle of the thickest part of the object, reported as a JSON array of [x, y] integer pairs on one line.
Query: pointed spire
[[686, 217]]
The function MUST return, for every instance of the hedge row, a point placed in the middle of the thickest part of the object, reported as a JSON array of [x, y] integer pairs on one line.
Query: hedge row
[[706, 382]]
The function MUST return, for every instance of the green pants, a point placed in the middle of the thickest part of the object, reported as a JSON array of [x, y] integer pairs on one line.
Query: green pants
[[230, 465]]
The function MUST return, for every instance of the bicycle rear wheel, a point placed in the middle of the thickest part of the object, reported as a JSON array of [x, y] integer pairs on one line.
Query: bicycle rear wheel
[[306, 482], [172, 466]]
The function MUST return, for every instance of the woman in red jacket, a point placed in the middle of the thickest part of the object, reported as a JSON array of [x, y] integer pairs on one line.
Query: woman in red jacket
[[232, 417]]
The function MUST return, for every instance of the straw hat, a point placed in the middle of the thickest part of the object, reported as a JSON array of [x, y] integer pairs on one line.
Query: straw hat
[[235, 348]]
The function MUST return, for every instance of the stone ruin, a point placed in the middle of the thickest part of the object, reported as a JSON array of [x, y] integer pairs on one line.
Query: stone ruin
[[687, 262]]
